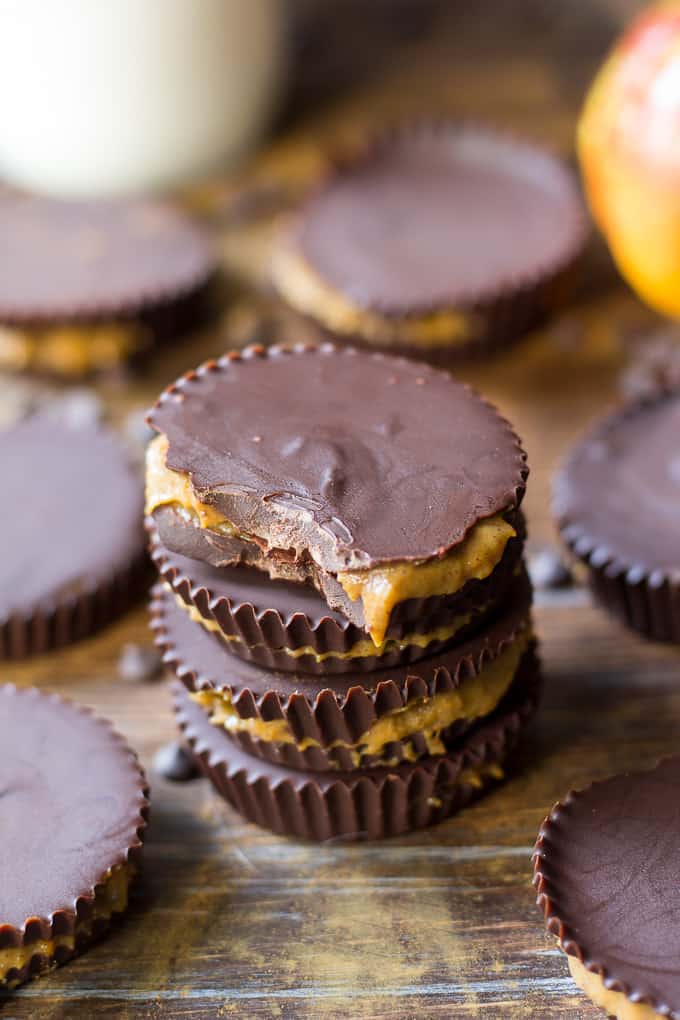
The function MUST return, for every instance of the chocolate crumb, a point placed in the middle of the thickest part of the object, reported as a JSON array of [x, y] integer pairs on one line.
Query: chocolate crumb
[[175, 763], [139, 662], [655, 367], [548, 570]]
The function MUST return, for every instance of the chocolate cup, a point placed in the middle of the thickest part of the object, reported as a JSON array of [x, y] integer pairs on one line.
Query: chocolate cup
[[66, 580], [148, 255], [323, 531], [350, 806], [643, 597], [336, 709], [156, 269], [410, 749], [504, 309], [260, 618], [77, 616], [123, 847], [605, 875]]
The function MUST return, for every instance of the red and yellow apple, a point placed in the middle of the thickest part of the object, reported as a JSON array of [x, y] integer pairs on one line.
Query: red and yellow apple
[[629, 150]]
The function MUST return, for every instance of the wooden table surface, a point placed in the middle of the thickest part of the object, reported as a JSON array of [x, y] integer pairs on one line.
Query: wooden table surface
[[228, 920]]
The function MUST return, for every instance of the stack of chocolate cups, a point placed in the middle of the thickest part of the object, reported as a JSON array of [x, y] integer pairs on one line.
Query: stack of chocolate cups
[[342, 596]]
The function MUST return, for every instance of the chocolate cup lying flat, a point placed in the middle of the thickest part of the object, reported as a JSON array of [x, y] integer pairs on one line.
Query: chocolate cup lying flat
[[616, 500], [73, 810], [263, 621], [360, 805], [333, 711], [71, 542], [81, 264], [606, 876], [499, 224]]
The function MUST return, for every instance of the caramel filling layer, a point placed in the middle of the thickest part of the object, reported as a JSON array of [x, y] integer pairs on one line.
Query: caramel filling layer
[[70, 350], [616, 1004], [476, 697], [357, 650], [165, 487], [379, 588], [111, 898], [308, 293]]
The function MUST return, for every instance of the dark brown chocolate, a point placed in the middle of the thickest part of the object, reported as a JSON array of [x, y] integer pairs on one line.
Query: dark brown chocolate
[[71, 541], [359, 805], [333, 708], [616, 500], [267, 438], [441, 217], [72, 807], [606, 874], [261, 618], [81, 261]]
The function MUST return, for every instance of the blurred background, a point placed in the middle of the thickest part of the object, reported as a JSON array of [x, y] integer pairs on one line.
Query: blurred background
[[235, 108]]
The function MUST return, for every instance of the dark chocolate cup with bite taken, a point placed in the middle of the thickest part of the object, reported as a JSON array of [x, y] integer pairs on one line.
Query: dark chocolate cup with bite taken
[[287, 625], [413, 497]]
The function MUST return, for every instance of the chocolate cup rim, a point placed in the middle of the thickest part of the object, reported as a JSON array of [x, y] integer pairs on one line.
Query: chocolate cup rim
[[525, 151], [286, 350], [594, 552], [329, 715], [245, 615], [395, 787], [64, 919], [547, 901]]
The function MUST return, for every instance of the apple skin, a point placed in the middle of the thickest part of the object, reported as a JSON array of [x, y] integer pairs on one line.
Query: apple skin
[[629, 151]]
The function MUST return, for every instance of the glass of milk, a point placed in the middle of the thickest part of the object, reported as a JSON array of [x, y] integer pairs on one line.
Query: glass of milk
[[116, 96]]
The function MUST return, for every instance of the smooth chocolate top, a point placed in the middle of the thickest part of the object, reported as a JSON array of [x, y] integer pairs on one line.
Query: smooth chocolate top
[[608, 858], [355, 458], [71, 260], [72, 514], [618, 494], [441, 216], [207, 664], [71, 804]]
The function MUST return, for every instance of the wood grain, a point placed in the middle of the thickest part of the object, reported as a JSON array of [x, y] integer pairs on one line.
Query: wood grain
[[228, 920]]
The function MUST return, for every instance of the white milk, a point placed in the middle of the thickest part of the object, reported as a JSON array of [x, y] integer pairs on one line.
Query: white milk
[[111, 96]]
